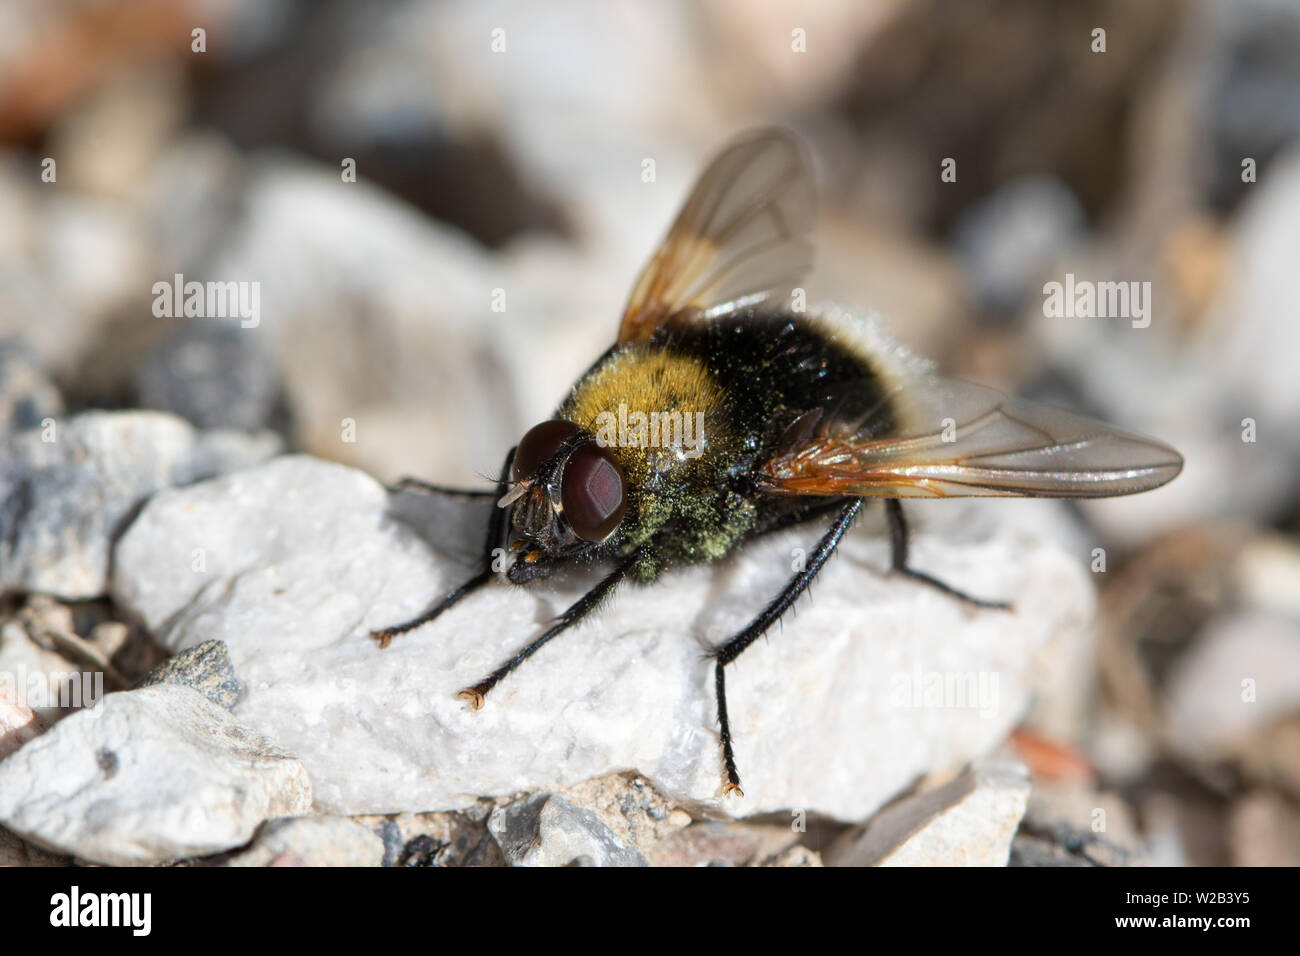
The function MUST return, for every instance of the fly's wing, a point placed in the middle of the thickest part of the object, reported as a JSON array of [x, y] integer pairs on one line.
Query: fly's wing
[[957, 439], [743, 237]]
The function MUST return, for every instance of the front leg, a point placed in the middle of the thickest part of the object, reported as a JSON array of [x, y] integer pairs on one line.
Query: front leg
[[898, 538], [575, 613], [416, 484], [495, 531], [732, 649]]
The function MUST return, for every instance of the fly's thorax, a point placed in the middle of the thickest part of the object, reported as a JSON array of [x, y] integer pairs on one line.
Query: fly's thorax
[[661, 414]]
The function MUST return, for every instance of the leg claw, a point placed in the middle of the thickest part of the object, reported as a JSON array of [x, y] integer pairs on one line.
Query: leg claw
[[473, 697]]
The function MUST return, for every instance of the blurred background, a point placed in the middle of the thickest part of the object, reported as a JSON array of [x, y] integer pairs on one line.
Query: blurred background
[[501, 151]]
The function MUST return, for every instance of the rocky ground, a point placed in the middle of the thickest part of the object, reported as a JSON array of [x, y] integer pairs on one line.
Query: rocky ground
[[197, 528], [264, 583]]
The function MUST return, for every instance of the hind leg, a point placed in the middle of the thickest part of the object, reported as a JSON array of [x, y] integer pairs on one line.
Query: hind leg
[[899, 538]]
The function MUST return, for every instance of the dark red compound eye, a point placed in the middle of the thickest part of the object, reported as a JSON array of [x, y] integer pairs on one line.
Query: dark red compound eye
[[538, 445], [592, 493]]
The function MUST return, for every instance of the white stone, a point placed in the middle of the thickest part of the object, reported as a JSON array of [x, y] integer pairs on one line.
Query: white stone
[[546, 829], [1242, 674], [312, 841], [65, 490], [834, 712], [48, 683], [147, 776], [318, 247], [969, 821], [17, 722]]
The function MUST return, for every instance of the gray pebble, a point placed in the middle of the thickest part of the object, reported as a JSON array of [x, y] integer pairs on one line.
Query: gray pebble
[[205, 667]]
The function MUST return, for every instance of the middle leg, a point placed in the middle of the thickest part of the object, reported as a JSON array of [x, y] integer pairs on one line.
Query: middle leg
[[728, 652]]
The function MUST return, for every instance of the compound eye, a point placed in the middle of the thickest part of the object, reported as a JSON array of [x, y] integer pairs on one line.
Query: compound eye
[[538, 445], [592, 493]]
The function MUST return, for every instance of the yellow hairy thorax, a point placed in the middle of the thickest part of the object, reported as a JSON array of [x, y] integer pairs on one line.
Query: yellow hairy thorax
[[654, 409]]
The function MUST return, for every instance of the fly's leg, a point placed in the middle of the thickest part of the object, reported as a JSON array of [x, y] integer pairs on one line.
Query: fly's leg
[[384, 636], [415, 484], [725, 653], [496, 527], [801, 516], [575, 613], [898, 538]]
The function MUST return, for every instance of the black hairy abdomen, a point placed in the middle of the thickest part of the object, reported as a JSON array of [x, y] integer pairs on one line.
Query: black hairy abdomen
[[775, 367]]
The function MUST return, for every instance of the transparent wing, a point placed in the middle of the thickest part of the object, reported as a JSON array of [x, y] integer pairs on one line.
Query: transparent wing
[[961, 439], [744, 236]]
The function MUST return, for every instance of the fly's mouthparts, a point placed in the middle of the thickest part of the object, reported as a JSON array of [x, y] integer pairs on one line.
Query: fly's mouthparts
[[515, 493]]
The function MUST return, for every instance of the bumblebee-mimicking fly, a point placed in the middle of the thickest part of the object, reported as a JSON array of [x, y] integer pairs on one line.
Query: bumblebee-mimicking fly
[[720, 414]]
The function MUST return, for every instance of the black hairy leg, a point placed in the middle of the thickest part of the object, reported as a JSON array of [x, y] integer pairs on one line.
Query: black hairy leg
[[495, 530], [575, 613], [415, 484], [898, 539], [727, 652]]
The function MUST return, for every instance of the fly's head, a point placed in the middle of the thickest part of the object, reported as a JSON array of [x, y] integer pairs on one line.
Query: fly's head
[[567, 496]]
